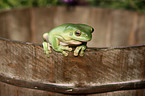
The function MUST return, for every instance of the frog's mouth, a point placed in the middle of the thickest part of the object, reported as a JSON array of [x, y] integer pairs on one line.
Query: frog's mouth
[[71, 42]]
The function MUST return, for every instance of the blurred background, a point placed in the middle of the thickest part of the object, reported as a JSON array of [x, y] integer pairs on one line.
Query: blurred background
[[136, 5], [116, 22]]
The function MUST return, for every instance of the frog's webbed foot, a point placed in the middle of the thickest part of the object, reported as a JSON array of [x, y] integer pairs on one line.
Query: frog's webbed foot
[[63, 49], [80, 49], [46, 47]]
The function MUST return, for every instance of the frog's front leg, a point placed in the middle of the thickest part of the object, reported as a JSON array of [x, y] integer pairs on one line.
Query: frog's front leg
[[60, 48], [46, 47], [63, 49], [80, 49]]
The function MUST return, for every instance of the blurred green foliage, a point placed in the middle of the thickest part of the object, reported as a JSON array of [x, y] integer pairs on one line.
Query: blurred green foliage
[[136, 5], [5, 4]]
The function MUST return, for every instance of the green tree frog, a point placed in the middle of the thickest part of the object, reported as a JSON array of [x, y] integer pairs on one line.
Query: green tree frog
[[62, 37]]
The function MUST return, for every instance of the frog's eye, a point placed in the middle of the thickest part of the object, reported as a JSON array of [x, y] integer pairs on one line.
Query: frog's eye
[[77, 33], [92, 30]]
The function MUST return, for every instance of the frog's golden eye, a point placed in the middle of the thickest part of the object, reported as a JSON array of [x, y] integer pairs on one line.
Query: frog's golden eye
[[77, 33]]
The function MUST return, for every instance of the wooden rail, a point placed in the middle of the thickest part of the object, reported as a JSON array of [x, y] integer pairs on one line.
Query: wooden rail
[[74, 90], [109, 69]]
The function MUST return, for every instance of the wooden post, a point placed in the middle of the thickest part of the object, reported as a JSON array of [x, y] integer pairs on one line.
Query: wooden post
[[100, 70]]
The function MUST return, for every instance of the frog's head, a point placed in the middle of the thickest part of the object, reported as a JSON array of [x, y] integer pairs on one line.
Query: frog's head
[[80, 32]]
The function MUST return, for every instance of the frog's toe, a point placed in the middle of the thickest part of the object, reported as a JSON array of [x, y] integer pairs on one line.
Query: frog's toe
[[82, 51], [70, 49], [47, 51], [76, 53], [81, 54], [65, 53]]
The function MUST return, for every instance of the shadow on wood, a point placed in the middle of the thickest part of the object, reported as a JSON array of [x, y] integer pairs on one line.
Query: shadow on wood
[[100, 70]]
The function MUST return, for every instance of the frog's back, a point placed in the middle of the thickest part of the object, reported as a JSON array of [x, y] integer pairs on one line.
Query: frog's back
[[59, 29], [56, 31]]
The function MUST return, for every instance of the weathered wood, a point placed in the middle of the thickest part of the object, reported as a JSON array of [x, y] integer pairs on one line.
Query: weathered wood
[[27, 62], [3, 30], [10, 90], [42, 20], [141, 29], [122, 93], [122, 28], [100, 19], [76, 89], [112, 27], [18, 21], [25, 65]]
